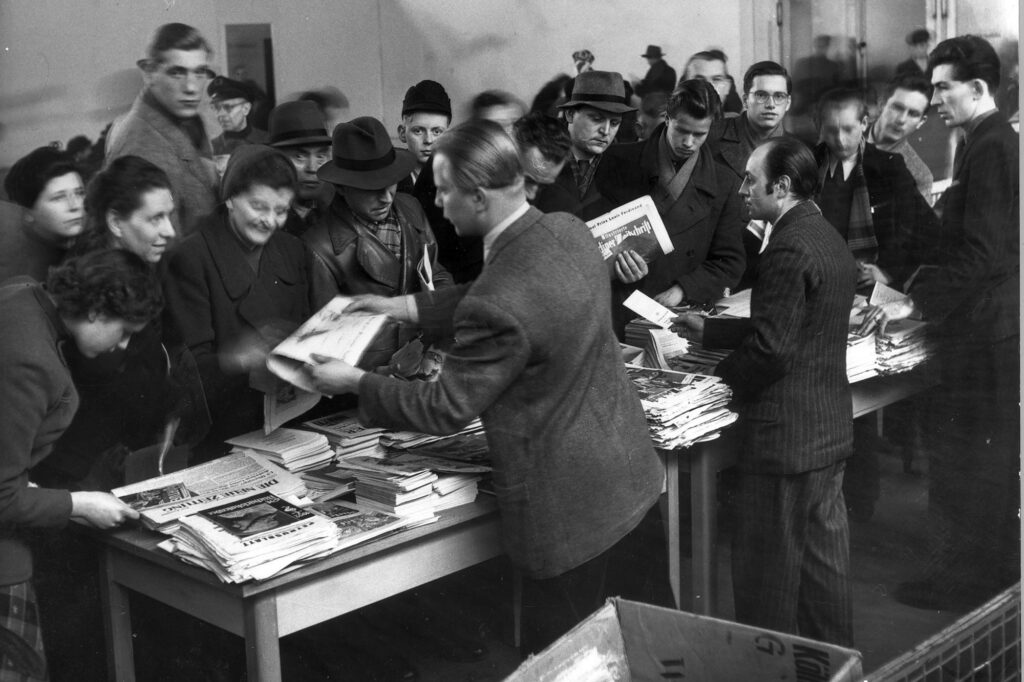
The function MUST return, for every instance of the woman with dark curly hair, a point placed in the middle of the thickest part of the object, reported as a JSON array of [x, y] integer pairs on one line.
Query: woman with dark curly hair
[[97, 302]]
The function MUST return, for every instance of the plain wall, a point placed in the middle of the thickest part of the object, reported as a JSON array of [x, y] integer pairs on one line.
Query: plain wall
[[69, 67]]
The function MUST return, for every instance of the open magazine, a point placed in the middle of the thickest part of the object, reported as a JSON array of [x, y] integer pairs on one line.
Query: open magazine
[[635, 226], [331, 332]]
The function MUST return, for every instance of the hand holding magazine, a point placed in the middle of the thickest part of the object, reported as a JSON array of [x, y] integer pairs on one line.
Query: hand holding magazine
[[332, 333], [634, 226]]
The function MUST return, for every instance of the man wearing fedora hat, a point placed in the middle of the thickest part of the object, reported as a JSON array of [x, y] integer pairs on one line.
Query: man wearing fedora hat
[[232, 102], [593, 114], [297, 129], [374, 239], [660, 77], [164, 127]]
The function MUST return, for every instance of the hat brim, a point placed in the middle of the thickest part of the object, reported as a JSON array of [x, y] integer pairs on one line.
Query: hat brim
[[608, 107], [317, 140], [379, 178]]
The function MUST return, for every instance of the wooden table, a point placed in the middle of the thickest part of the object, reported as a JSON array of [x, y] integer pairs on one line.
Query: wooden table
[[262, 612], [706, 460]]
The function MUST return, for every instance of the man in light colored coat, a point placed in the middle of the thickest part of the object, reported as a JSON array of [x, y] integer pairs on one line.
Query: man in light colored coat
[[164, 126], [575, 474]]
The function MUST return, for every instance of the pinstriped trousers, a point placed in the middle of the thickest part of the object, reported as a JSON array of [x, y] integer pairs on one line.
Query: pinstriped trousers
[[791, 555]]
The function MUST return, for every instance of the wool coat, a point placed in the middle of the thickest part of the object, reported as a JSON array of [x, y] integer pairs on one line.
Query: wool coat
[[536, 359]]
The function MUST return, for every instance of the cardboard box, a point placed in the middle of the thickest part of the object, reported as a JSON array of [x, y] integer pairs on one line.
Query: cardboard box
[[626, 640]]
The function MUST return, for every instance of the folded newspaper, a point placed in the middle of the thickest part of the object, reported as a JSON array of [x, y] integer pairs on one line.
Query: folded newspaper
[[332, 333], [635, 226], [163, 501]]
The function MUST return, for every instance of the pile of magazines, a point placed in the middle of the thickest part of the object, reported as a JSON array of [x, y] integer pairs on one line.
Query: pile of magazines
[[682, 409], [293, 449], [903, 346], [861, 362]]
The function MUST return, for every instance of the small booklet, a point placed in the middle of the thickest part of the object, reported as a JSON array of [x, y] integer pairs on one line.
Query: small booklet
[[637, 226], [331, 332], [649, 309]]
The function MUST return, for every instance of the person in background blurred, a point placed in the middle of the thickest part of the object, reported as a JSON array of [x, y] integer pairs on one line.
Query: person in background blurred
[[232, 102], [499, 106], [47, 215], [582, 60], [918, 41], [651, 114], [660, 76], [96, 302], [543, 144]]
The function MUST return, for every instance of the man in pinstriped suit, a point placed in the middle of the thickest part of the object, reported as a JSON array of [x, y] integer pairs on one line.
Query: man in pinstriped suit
[[788, 375]]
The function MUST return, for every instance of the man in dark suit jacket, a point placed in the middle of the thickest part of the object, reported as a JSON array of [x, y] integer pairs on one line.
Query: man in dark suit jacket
[[660, 77], [594, 114], [696, 199], [575, 474], [788, 375], [973, 301]]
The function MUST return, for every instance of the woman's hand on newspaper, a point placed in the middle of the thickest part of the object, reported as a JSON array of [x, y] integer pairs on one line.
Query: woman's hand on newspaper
[[330, 376], [396, 307], [690, 326], [630, 267], [878, 316], [99, 509]]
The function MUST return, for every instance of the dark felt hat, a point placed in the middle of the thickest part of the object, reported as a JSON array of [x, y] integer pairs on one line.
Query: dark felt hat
[[27, 178], [222, 87], [427, 96], [602, 90], [363, 156], [297, 123], [918, 36], [653, 52]]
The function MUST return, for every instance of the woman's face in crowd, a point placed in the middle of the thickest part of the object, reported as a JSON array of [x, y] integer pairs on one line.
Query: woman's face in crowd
[[258, 212], [57, 213], [98, 334], [148, 230]]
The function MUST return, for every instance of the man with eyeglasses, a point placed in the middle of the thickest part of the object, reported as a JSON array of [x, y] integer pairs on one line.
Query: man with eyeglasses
[[766, 98], [164, 126], [232, 102]]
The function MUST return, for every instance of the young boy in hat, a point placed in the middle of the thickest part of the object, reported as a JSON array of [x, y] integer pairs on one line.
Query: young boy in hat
[[374, 239], [297, 130], [232, 102], [426, 114]]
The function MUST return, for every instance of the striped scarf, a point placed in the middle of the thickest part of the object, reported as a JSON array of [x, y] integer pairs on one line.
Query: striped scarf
[[861, 233]]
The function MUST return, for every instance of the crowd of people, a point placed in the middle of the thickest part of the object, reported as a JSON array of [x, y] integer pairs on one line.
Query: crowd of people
[[150, 293]]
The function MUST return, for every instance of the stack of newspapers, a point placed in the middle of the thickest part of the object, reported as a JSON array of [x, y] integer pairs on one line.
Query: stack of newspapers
[[293, 449], [252, 538], [664, 349], [412, 439], [860, 357], [682, 409], [402, 489], [903, 346], [328, 482], [346, 435], [454, 490]]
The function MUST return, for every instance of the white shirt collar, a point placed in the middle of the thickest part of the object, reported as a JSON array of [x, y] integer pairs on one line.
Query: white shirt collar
[[502, 226]]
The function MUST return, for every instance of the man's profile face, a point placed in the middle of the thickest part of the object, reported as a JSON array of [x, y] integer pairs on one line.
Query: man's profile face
[[686, 134], [713, 71], [592, 130], [757, 196], [178, 79], [538, 170], [768, 114], [420, 130], [842, 129], [955, 100], [458, 205], [903, 113]]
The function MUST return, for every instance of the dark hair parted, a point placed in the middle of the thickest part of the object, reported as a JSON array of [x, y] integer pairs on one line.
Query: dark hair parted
[[697, 98], [911, 82], [766, 68], [481, 155], [789, 156], [971, 57], [176, 36], [839, 98], [544, 132], [253, 164], [120, 188], [111, 282]]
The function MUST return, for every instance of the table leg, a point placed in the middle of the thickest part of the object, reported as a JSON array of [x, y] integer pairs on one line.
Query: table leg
[[262, 646], [117, 623], [704, 528], [672, 523]]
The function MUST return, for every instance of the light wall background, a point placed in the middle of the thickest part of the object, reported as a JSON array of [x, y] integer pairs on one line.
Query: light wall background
[[67, 67]]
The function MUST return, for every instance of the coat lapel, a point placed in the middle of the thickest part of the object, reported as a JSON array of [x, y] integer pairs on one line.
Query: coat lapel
[[531, 216]]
